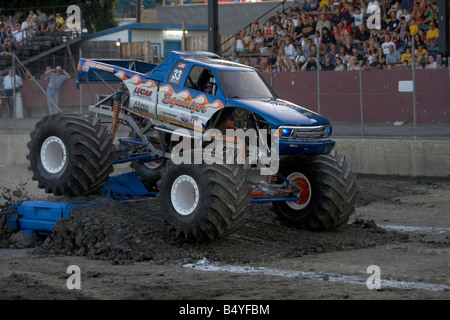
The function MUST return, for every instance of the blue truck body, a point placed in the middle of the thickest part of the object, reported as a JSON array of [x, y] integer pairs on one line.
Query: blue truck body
[[165, 92]]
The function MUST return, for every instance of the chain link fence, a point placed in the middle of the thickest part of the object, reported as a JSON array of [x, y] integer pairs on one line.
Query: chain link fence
[[404, 100], [407, 99]]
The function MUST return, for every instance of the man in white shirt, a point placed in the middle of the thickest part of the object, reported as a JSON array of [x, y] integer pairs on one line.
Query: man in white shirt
[[8, 85], [20, 36], [388, 42]]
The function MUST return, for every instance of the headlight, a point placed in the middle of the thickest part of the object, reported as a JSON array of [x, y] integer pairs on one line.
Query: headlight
[[285, 133]]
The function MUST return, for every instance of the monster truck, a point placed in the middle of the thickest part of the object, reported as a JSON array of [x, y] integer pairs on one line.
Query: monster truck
[[188, 129]]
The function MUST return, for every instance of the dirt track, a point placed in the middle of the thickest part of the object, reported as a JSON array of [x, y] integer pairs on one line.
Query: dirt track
[[124, 251]]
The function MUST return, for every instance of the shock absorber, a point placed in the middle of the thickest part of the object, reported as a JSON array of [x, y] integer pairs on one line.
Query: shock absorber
[[116, 112]]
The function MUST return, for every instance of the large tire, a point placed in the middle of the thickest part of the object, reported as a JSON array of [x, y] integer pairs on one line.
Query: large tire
[[70, 155], [327, 192], [217, 198]]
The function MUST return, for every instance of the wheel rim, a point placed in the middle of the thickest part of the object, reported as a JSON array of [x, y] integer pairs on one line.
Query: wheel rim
[[305, 191], [53, 154], [155, 164], [184, 195]]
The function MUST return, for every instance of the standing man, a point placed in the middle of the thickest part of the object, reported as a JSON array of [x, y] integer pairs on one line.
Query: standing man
[[8, 85], [57, 77]]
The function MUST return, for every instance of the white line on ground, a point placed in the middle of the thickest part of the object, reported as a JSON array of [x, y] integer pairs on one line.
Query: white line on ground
[[205, 265], [415, 229]]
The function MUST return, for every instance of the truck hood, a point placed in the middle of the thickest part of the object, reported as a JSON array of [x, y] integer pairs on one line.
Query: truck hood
[[279, 112]]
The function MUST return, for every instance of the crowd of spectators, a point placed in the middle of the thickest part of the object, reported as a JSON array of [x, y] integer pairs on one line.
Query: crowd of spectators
[[15, 33], [343, 35]]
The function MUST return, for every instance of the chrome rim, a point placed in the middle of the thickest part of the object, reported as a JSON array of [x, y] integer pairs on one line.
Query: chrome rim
[[53, 154], [185, 195]]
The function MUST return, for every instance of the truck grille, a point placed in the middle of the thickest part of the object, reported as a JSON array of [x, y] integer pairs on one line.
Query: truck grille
[[307, 133]]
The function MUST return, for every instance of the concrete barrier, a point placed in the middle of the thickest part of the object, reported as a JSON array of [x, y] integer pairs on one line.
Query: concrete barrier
[[366, 156], [397, 157]]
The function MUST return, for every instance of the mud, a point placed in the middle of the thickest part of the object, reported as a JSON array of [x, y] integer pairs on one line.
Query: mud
[[126, 251]]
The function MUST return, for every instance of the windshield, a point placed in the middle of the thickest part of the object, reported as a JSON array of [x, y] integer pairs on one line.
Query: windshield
[[244, 84]]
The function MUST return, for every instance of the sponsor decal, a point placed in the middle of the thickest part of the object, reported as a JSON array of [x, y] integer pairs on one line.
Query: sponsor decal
[[185, 119], [98, 66], [184, 99], [142, 92], [142, 107], [135, 80]]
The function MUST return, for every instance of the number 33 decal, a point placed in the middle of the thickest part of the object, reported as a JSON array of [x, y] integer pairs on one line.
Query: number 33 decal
[[176, 75]]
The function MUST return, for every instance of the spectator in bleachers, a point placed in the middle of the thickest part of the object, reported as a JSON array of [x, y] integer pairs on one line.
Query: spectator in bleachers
[[10, 22], [289, 49], [257, 43], [51, 25], [388, 42], [324, 3], [393, 56], [3, 37], [407, 56], [353, 64], [264, 67], [442, 62], [405, 14], [327, 38], [290, 28], [268, 31], [337, 16], [432, 64], [375, 63], [338, 65], [358, 17], [428, 14], [276, 18], [10, 42], [355, 53], [2, 93], [239, 43], [310, 64], [421, 53], [347, 44], [407, 4], [59, 21], [323, 23], [413, 26], [418, 12], [20, 37], [311, 5], [300, 58], [362, 36], [32, 14], [26, 26], [41, 19], [432, 36], [327, 65], [347, 25], [394, 22]]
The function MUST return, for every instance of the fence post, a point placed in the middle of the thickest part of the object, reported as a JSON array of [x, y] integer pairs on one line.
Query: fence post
[[361, 102], [414, 86], [318, 75], [14, 90]]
